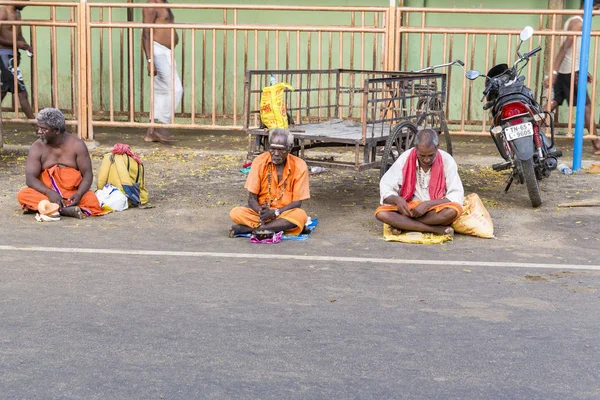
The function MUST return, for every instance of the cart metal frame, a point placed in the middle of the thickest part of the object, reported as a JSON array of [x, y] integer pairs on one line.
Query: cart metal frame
[[359, 109]]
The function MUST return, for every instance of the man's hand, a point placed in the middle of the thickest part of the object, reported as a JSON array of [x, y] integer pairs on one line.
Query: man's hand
[[150, 70], [22, 45], [403, 207], [56, 198], [73, 200], [420, 209], [266, 214]]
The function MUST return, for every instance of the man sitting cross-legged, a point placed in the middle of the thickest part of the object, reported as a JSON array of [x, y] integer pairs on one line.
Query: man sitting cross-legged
[[422, 190], [59, 169], [277, 184]]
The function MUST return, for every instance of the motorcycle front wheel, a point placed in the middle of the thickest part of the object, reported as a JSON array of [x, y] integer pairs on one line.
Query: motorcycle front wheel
[[533, 186]]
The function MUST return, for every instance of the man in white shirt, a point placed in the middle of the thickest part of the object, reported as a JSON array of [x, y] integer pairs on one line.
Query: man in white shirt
[[422, 190]]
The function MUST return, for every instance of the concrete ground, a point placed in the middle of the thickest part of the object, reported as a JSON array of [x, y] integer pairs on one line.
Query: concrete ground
[[159, 303]]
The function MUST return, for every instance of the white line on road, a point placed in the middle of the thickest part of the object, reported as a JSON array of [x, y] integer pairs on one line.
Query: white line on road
[[458, 263]]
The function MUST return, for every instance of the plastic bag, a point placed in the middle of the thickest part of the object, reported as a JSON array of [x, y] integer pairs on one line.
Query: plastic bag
[[594, 169], [111, 198], [475, 219], [272, 105]]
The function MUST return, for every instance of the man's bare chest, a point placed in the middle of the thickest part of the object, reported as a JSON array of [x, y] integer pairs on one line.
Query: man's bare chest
[[164, 16], [52, 156]]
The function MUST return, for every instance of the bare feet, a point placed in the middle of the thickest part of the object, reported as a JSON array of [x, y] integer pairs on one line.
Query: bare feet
[[72, 211], [395, 231], [449, 232], [158, 135], [155, 137], [443, 230], [150, 138], [239, 229]]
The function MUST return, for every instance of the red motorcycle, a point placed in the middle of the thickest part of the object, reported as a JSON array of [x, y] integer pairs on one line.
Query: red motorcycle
[[518, 124]]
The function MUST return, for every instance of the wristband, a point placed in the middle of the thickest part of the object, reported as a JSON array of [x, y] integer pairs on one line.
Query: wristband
[[149, 60], [554, 72]]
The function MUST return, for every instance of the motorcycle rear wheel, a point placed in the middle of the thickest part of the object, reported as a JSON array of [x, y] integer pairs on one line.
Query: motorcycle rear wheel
[[531, 181]]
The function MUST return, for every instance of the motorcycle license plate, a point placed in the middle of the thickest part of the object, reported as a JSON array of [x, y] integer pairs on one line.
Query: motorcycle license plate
[[518, 131]]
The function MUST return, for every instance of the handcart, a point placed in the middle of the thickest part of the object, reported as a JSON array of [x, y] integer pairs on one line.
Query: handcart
[[374, 113]]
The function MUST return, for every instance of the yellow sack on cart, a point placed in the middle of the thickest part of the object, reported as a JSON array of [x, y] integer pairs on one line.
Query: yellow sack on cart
[[272, 105], [475, 219]]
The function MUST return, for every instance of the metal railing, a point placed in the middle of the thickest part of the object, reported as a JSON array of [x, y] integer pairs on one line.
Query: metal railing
[[105, 83], [213, 57], [482, 48], [58, 85]]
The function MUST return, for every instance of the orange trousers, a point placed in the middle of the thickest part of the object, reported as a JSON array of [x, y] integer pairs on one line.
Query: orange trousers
[[455, 206], [248, 217], [65, 182]]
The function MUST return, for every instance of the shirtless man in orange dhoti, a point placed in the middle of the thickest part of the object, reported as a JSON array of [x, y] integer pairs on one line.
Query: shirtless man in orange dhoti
[[59, 169], [168, 89], [277, 184]]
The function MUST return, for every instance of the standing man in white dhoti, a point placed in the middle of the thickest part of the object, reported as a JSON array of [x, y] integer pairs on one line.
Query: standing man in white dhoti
[[168, 89]]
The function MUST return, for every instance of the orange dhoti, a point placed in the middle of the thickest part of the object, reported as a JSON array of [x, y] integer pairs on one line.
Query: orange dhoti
[[248, 217], [65, 182], [454, 206]]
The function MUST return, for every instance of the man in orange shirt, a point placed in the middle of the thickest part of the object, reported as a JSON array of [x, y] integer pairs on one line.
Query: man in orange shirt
[[277, 184]]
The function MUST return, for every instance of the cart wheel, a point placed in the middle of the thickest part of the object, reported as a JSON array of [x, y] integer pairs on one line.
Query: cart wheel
[[428, 105], [422, 107], [444, 131], [435, 104], [401, 139]]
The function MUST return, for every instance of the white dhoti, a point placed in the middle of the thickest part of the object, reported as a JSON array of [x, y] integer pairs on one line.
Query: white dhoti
[[168, 89]]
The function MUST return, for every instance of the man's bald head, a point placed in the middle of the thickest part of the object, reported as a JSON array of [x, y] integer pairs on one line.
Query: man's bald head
[[283, 135], [427, 138]]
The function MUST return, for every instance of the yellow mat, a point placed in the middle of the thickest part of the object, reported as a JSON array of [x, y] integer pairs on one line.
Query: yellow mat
[[413, 237]]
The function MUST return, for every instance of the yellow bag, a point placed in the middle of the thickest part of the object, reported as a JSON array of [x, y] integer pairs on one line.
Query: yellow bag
[[475, 219], [272, 105], [124, 172]]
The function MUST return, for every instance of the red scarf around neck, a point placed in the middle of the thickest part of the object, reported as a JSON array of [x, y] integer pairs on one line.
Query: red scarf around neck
[[437, 182]]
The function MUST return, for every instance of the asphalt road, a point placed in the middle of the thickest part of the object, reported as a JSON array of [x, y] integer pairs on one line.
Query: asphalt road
[[181, 326], [160, 304]]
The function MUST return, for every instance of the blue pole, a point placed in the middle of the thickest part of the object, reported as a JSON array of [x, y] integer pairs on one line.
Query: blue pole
[[582, 83]]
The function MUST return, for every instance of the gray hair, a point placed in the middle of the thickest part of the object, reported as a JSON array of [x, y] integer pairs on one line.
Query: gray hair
[[53, 118], [289, 137], [427, 137]]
